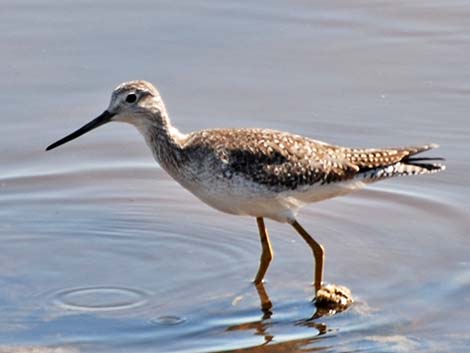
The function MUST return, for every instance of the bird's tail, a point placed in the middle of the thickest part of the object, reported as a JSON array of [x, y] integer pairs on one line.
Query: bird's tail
[[405, 163]]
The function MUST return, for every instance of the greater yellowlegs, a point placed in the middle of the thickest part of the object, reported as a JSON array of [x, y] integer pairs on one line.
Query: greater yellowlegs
[[256, 172]]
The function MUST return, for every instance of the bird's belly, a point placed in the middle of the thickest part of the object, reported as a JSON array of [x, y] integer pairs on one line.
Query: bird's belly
[[320, 192], [244, 197], [248, 200]]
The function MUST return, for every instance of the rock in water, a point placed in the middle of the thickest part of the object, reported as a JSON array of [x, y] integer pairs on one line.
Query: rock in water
[[332, 299]]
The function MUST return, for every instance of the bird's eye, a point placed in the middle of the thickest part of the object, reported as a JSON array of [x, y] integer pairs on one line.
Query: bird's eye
[[131, 98]]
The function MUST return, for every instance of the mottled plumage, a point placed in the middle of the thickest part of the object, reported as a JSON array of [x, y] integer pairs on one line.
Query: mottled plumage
[[284, 161], [255, 172]]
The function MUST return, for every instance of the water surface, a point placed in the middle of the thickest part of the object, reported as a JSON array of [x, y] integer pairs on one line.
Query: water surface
[[103, 252]]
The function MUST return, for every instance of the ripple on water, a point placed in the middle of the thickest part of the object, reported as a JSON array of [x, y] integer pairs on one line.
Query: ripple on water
[[168, 320], [100, 298]]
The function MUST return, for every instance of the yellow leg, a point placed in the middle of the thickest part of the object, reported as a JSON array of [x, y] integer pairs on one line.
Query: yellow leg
[[318, 253], [266, 303], [267, 251]]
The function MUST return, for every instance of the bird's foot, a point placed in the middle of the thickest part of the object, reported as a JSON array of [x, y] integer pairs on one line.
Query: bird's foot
[[331, 299]]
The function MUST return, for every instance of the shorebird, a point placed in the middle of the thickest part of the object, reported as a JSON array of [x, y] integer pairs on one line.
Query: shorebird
[[261, 173]]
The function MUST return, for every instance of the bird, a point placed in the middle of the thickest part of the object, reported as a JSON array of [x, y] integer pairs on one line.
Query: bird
[[262, 173]]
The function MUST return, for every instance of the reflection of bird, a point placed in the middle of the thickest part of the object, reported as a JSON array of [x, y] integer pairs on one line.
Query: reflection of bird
[[255, 172]]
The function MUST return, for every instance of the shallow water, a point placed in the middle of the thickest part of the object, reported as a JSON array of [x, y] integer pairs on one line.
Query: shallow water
[[102, 251]]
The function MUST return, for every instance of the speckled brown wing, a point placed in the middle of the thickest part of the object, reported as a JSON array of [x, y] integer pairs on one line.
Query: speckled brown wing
[[278, 160]]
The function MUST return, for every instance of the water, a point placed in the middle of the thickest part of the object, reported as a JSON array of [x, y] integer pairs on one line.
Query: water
[[102, 252]]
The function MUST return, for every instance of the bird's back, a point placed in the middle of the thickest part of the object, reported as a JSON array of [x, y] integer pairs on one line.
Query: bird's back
[[283, 161]]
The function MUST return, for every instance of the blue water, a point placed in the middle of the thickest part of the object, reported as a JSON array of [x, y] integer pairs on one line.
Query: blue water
[[102, 252]]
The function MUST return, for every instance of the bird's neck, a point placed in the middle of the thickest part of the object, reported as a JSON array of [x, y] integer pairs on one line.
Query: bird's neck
[[165, 142]]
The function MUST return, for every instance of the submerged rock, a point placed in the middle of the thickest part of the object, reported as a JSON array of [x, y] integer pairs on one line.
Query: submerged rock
[[331, 299]]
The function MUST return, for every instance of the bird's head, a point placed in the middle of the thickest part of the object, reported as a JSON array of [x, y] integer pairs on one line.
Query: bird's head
[[134, 102]]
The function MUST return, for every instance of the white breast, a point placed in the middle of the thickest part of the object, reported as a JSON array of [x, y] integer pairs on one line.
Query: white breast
[[240, 196]]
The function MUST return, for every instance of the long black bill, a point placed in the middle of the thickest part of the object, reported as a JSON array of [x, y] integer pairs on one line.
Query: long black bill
[[104, 118]]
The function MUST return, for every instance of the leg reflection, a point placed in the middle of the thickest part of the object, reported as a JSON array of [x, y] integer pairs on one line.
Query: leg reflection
[[263, 327], [265, 302], [259, 327]]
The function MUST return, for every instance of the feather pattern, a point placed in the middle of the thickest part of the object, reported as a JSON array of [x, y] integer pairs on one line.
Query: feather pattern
[[282, 161]]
